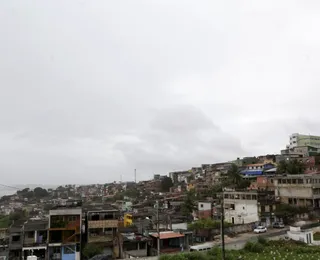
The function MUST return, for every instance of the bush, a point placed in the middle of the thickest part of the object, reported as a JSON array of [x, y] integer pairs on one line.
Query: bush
[[262, 240], [254, 247], [215, 251]]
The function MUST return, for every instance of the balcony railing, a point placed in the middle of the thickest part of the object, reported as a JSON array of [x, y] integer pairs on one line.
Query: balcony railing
[[103, 223]]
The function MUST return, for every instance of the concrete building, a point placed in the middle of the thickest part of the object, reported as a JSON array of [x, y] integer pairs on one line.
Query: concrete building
[[257, 168], [64, 234], [204, 210], [4, 244], [240, 207], [35, 238], [297, 140], [16, 240], [102, 228], [296, 234], [299, 190]]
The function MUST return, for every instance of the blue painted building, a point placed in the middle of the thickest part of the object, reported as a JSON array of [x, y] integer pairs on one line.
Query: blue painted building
[[257, 169]]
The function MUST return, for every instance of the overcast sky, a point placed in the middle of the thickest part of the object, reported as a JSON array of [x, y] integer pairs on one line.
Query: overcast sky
[[91, 90]]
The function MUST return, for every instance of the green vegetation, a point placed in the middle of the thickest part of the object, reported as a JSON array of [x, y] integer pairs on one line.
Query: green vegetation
[[288, 212], [91, 250], [189, 203], [260, 250], [316, 236], [290, 167], [206, 224], [166, 184], [36, 193], [5, 221], [234, 179]]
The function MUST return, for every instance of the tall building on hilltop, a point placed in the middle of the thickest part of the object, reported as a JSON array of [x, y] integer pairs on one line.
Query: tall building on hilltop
[[298, 140]]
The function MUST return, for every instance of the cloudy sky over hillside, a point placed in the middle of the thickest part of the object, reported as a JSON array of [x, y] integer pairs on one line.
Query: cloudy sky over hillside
[[93, 89]]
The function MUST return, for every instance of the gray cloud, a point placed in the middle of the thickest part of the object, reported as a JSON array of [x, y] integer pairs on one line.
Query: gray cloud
[[93, 89]]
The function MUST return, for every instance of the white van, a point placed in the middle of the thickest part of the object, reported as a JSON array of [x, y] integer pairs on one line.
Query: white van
[[202, 247]]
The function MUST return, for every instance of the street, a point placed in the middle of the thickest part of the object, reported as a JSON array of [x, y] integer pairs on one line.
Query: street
[[240, 240]]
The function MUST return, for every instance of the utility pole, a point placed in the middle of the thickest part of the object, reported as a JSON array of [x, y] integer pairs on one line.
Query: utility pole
[[223, 253], [158, 228], [135, 175]]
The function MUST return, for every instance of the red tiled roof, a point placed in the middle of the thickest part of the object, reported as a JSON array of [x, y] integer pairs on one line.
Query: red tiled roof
[[168, 235]]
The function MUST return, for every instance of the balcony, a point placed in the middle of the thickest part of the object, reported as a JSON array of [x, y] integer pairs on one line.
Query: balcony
[[103, 223], [60, 225], [15, 245]]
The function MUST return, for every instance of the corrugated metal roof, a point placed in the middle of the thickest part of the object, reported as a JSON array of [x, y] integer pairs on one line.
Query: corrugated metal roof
[[252, 172], [167, 235]]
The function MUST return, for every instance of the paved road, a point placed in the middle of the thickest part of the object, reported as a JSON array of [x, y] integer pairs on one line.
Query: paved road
[[240, 243]]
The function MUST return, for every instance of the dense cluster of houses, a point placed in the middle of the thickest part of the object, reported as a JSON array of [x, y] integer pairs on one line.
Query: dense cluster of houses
[[65, 230]]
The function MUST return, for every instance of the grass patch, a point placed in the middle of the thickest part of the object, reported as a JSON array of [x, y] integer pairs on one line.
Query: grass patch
[[270, 250], [316, 236], [4, 221]]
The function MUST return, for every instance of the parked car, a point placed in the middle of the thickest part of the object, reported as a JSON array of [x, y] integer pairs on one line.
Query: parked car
[[278, 225], [260, 229]]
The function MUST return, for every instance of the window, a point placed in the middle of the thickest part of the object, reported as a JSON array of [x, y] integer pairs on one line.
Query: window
[[30, 235], [300, 181], [72, 218], [69, 250], [56, 250], [201, 205]]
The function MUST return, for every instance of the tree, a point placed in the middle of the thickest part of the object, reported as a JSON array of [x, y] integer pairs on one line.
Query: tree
[[287, 212], [17, 215], [234, 176], [91, 250], [40, 193], [234, 179], [207, 223], [132, 193], [295, 167], [282, 167], [189, 203], [166, 184], [290, 167]]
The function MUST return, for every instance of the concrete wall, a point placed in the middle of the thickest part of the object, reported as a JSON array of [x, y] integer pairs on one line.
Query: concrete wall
[[297, 191], [245, 211], [304, 236], [204, 206], [67, 211]]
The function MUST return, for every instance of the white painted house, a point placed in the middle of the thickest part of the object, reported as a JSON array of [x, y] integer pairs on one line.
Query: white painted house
[[204, 205], [240, 207], [295, 233]]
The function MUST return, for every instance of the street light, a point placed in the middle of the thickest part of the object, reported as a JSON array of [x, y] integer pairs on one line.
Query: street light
[[158, 228]]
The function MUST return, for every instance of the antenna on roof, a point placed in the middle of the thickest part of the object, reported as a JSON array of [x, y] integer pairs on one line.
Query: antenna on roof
[[135, 175]]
